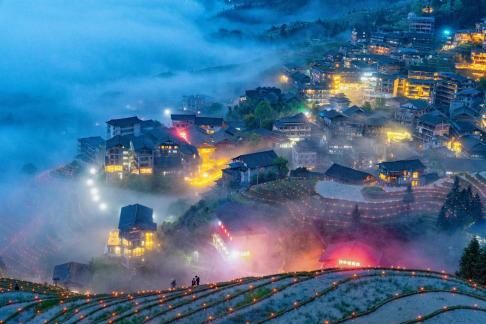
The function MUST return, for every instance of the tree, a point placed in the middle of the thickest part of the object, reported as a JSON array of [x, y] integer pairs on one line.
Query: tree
[[481, 266], [264, 113], [367, 106], [251, 121], [356, 215], [281, 165], [408, 198], [459, 209], [476, 208], [468, 267]]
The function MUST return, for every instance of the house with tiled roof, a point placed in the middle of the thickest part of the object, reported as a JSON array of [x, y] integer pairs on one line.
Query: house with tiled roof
[[402, 172], [253, 168]]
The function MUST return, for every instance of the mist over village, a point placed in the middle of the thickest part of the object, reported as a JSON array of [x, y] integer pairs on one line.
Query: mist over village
[[243, 161]]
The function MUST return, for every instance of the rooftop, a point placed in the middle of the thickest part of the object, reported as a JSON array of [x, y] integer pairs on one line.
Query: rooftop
[[258, 159], [124, 122], [342, 173], [400, 165], [136, 217]]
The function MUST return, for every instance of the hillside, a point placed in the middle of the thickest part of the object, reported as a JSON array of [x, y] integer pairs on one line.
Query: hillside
[[332, 296]]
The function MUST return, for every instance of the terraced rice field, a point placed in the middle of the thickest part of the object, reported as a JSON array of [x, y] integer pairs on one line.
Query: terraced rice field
[[372, 295]]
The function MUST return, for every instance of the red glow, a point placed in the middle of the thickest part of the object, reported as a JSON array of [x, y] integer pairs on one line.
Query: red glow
[[351, 254], [182, 134]]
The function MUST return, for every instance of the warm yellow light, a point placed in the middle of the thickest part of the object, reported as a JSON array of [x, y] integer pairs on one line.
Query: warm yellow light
[[209, 169], [146, 171], [283, 78], [454, 146], [113, 168], [113, 238], [398, 136]]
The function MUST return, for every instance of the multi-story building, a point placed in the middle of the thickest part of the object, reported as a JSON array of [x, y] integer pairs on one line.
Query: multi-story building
[[155, 151], [295, 127], [446, 88], [253, 168], [409, 112], [467, 102], [129, 126], [304, 155], [477, 67], [432, 129], [418, 89], [421, 24], [136, 234], [91, 150]]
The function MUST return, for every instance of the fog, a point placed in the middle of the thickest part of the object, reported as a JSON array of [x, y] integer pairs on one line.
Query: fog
[[66, 68]]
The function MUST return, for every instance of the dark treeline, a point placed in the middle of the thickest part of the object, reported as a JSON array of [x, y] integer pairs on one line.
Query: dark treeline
[[460, 208], [473, 262]]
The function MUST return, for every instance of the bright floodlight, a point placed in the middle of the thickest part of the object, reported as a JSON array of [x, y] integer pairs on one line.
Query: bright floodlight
[[307, 114], [167, 111], [447, 32], [103, 206], [94, 191], [96, 198], [92, 171], [89, 182]]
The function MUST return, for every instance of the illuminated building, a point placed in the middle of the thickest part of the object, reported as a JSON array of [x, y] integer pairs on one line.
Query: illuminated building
[[379, 49], [208, 125], [474, 37], [316, 94], [154, 151], [408, 113], [402, 172], [422, 72], [136, 234], [446, 88], [477, 67], [418, 89], [431, 128], [117, 155], [295, 127], [378, 85], [304, 155], [72, 275]]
